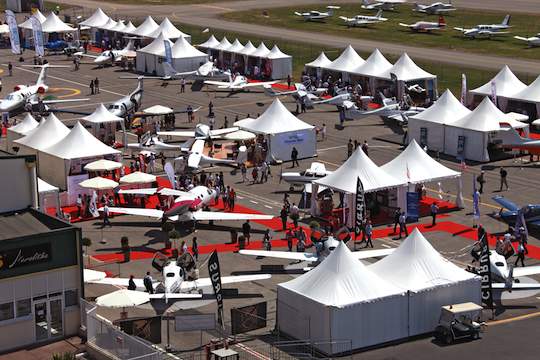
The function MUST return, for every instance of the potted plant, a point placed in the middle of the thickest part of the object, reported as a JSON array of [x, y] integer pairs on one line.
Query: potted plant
[[126, 250]]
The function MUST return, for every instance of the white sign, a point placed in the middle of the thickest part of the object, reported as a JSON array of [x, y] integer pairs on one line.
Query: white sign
[[194, 322]]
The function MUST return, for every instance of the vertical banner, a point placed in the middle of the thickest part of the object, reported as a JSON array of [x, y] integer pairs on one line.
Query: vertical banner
[[463, 89], [13, 32], [485, 269], [413, 206], [215, 277], [169, 170], [168, 52], [38, 36], [494, 92], [476, 201], [360, 208]]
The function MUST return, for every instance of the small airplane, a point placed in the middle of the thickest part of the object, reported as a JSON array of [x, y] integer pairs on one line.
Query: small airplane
[[25, 96], [129, 103], [390, 108], [483, 31], [206, 71], [426, 26], [329, 244], [531, 41], [390, 5], [509, 212], [512, 140], [187, 206], [315, 15], [436, 8], [364, 20], [239, 83], [174, 286], [111, 56], [316, 171]]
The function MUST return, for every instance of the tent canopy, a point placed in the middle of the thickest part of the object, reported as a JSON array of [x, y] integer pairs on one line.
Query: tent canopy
[[50, 131], [406, 70], [119, 27], [359, 165], [158, 110], [44, 187], [79, 143], [53, 24], [98, 183], [102, 115], [97, 19], [276, 53], [108, 25], [248, 49], [224, 44], [341, 280], [506, 84], [157, 46], [321, 61], [137, 177], [146, 28], [376, 65], [416, 265], [169, 30], [445, 110], [236, 46], [102, 165], [129, 28], [276, 119], [485, 118], [347, 61], [25, 126], [529, 94], [211, 43], [262, 51], [414, 165], [183, 49], [28, 23]]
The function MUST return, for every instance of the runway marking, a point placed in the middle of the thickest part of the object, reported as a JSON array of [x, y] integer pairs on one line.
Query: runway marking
[[516, 318], [386, 246], [74, 92], [254, 202], [332, 148], [268, 207], [257, 354]]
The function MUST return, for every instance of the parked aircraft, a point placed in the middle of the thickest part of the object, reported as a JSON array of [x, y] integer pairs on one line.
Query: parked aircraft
[[129, 103], [382, 4], [187, 206], [531, 41], [437, 8], [315, 15], [363, 20], [390, 108], [509, 211], [480, 31], [239, 83], [426, 26], [25, 96], [512, 140], [111, 56], [316, 171]]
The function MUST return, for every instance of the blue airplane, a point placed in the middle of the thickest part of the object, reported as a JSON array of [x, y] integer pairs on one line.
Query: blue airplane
[[510, 211], [56, 45]]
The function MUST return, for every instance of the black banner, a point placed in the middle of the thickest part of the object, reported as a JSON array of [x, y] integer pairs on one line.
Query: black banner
[[24, 256], [215, 277], [485, 269], [248, 318], [360, 208], [148, 329]]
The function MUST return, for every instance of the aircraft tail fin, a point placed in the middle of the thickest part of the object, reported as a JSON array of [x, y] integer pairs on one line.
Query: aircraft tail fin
[[269, 91], [42, 78], [130, 46], [506, 20], [510, 279], [442, 22], [242, 155], [379, 14]]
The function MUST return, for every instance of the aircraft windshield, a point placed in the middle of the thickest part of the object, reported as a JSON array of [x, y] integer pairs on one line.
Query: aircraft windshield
[[169, 274], [13, 97]]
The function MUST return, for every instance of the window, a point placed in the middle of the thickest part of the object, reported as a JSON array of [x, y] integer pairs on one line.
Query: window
[[6, 311], [71, 298], [24, 307]]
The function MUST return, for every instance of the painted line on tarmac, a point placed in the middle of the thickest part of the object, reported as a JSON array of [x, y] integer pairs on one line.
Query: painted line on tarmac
[[386, 246], [74, 92], [253, 202], [268, 207], [249, 350], [332, 148], [516, 318]]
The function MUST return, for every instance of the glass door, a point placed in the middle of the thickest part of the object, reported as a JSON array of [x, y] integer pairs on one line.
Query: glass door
[[41, 321], [56, 318]]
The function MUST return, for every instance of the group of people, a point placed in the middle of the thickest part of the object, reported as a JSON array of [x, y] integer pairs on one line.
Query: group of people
[[503, 180], [352, 146]]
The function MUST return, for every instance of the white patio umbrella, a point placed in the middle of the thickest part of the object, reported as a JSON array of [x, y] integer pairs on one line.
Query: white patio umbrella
[[122, 298], [98, 183], [93, 275], [137, 177], [102, 165], [158, 110], [240, 135]]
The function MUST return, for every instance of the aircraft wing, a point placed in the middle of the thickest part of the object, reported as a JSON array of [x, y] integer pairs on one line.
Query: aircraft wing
[[206, 282], [80, 53], [406, 25], [366, 254], [177, 133], [253, 84], [114, 281], [429, 28], [174, 296], [301, 256], [153, 213], [217, 83], [505, 203], [225, 131], [516, 286], [227, 216], [525, 271], [172, 192], [147, 191], [60, 101], [194, 160], [524, 38]]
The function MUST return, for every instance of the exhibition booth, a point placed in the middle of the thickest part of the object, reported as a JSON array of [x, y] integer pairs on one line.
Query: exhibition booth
[[20, 130], [504, 85], [526, 101], [374, 67]]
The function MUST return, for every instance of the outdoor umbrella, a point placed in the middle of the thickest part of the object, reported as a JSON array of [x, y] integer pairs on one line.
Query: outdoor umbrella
[[240, 135], [158, 110], [122, 298], [98, 183], [93, 275], [102, 165], [137, 177]]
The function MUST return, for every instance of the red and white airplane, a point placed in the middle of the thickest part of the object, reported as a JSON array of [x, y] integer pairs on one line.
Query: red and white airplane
[[188, 206], [426, 26], [512, 140]]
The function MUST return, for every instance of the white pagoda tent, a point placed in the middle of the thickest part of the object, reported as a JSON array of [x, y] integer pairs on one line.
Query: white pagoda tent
[[49, 131], [314, 67], [119, 27], [375, 66], [283, 131], [224, 44], [430, 280], [21, 129], [506, 85], [146, 28], [186, 57], [248, 49], [97, 19], [280, 63], [528, 98], [345, 63], [342, 299], [169, 31], [233, 51], [53, 24], [148, 57], [211, 43], [27, 25], [109, 25], [261, 52], [129, 28], [427, 127], [69, 156], [104, 123]]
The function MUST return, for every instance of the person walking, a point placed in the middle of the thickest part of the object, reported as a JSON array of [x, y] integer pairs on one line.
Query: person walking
[[246, 231], [10, 68], [397, 213], [92, 87], [323, 132], [96, 85], [284, 214], [368, 230], [232, 199], [503, 174], [189, 113], [106, 216], [434, 211], [295, 214], [79, 206], [210, 109], [294, 157], [365, 147], [481, 181], [520, 255], [266, 240], [131, 283], [243, 171], [289, 81], [403, 224], [195, 248], [148, 283], [182, 85], [350, 148]]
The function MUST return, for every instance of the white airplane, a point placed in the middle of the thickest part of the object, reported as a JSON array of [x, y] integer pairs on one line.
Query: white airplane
[[201, 132], [436, 8], [173, 286], [480, 31], [24, 96], [531, 41], [390, 108], [328, 245], [426, 26], [364, 20], [316, 171], [382, 4], [187, 206], [111, 56], [129, 103], [315, 15], [239, 83]]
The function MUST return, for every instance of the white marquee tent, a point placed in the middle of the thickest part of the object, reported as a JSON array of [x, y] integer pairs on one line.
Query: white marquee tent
[[21, 129], [27, 25], [109, 25], [320, 62], [49, 131], [427, 127], [261, 52], [406, 70], [49, 196], [248, 49], [97, 19], [53, 24], [281, 63], [224, 44], [148, 56], [375, 66], [342, 299], [119, 27], [506, 85], [431, 280], [530, 94], [70, 154], [186, 57], [129, 28], [345, 63], [283, 130], [211, 43], [146, 28], [169, 31]]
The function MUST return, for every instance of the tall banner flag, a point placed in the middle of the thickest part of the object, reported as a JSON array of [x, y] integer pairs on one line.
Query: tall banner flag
[[168, 52], [215, 278], [485, 269], [494, 92], [360, 208], [463, 89], [476, 201], [169, 170], [13, 32], [38, 36]]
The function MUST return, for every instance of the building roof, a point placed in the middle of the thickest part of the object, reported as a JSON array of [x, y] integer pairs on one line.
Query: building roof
[[321, 61], [506, 84], [28, 222], [445, 110]]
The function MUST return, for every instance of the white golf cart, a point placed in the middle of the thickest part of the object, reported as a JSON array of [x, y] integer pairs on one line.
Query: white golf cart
[[460, 321]]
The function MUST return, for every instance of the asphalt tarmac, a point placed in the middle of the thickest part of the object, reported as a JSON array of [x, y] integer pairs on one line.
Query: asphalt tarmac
[[501, 339]]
